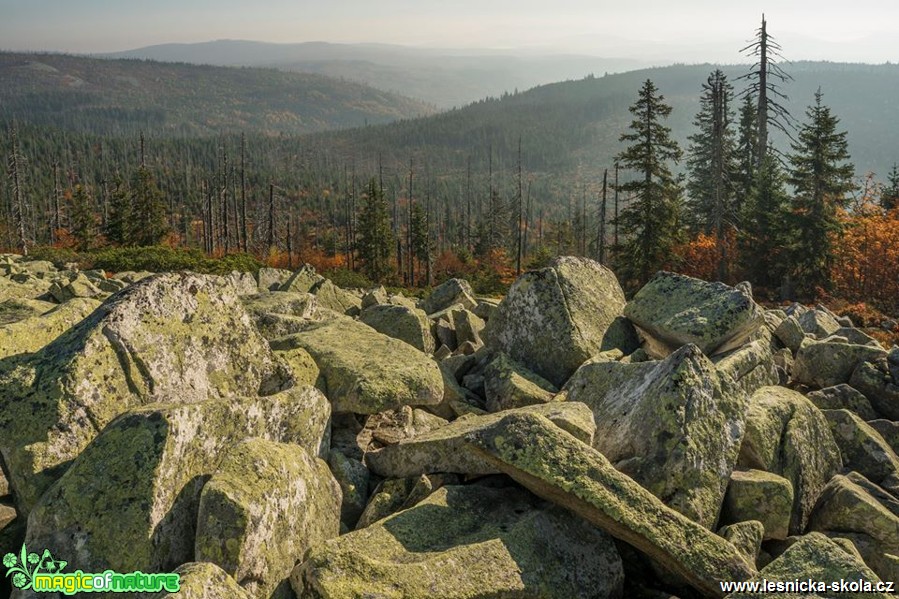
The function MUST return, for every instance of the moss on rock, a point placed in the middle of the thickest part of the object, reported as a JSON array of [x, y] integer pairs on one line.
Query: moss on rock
[[465, 542], [760, 496], [366, 372], [406, 324], [266, 504]]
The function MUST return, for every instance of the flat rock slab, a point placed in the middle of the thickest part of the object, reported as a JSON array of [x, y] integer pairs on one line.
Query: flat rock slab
[[367, 372], [555, 318], [558, 467], [673, 310], [129, 502], [674, 426], [446, 449], [467, 542]]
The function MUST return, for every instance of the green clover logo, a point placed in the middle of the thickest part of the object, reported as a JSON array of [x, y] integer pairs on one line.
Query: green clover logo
[[25, 566]]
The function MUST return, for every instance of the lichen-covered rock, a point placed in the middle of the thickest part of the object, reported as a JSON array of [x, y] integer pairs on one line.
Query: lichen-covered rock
[[486, 308], [818, 323], [334, 298], [508, 384], [393, 495], [673, 426], [16, 309], [353, 477], [790, 333], [851, 504], [394, 426], [202, 580], [169, 338], [31, 334], [746, 536], [814, 557], [374, 297], [787, 435], [888, 430], [366, 372], [828, 363], [673, 310], [129, 501], [469, 327], [557, 466], [885, 565], [272, 279], [281, 302], [862, 447], [406, 324], [751, 366], [465, 542], [303, 280], [302, 371], [7, 513], [760, 496], [454, 291], [881, 387], [266, 504], [445, 449], [554, 319], [78, 286], [842, 397]]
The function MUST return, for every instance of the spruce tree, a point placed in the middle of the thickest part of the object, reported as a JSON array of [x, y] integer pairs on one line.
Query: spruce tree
[[118, 224], [747, 147], [148, 210], [375, 234], [82, 218], [650, 223], [822, 178], [422, 245], [712, 166], [889, 197], [764, 232]]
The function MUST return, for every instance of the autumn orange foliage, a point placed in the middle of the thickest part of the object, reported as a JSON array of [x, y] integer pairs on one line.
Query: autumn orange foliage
[[867, 260], [699, 257]]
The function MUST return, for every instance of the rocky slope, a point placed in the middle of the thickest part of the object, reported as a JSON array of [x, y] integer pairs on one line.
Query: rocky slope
[[277, 436]]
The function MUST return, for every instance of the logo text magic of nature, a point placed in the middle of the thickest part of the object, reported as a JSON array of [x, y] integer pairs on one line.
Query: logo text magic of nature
[[44, 574]]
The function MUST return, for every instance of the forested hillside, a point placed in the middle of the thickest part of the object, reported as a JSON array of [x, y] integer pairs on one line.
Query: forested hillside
[[445, 77], [122, 97]]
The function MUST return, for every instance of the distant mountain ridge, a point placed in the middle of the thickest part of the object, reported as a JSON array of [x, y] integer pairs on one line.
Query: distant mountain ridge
[[121, 96], [444, 77]]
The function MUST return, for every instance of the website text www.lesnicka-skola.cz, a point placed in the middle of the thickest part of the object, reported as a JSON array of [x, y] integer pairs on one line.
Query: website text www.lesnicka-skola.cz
[[808, 586]]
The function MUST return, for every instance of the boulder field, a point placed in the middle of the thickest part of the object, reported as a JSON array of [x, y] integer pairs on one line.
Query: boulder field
[[277, 437]]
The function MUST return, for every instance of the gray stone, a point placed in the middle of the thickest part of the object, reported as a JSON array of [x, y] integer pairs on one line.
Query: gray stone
[[554, 319], [862, 447], [760, 496], [508, 384], [876, 382], [454, 291], [266, 504], [406, 324], [843, 397], [788, 436], [366, 372], [827, 363], [466, 542], [673, 310], [656, 420]]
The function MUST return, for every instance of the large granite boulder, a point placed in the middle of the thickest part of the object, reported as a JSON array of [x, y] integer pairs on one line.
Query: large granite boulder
[[878, 380], [464, 542], [556, 466], [266, 504], [508, 384], [673, 426], [673, 310], [840, 397], [863, 449], [364, 371], [202, 580], [169, 338], [130, 500], [788, 436], [554, 319]]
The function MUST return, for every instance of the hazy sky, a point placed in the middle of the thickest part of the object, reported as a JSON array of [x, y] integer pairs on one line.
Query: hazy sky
[[687, 30]]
